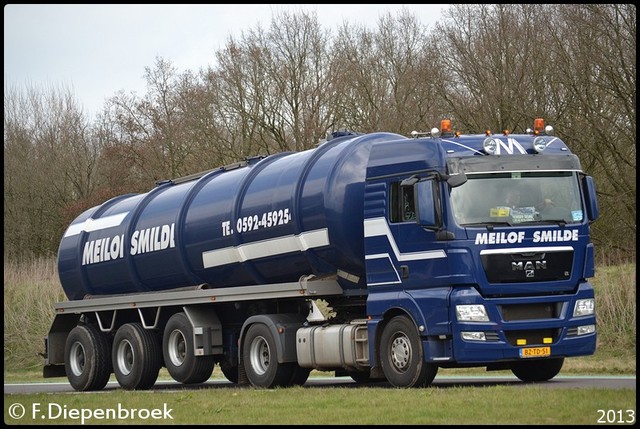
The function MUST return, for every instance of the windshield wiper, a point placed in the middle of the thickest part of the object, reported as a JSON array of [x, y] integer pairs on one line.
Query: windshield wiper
[[559, 222], [489, 225]]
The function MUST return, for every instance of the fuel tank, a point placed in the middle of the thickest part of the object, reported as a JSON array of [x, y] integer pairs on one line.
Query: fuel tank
[[266, 220]]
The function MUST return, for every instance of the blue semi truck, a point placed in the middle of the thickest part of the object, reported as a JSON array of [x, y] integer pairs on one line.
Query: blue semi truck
[[377, 256]]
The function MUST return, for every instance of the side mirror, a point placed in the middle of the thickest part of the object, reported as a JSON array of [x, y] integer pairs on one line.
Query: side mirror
[[457, 179], [590, 197], [410, 181], [426, 209]]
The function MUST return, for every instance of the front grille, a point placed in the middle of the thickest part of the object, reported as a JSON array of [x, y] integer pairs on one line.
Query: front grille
[[527, 267], [549, 310], [491, 336]]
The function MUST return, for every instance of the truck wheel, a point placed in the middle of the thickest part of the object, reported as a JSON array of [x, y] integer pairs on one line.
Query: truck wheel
[[87, 360], [178, 351], [537, 370], [136, 357], [401, 355], [260, 359]]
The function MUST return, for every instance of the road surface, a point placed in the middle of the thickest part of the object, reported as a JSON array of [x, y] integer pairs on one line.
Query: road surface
[[559, 382]]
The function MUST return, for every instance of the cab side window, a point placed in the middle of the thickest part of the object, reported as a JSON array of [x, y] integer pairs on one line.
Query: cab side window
[[401, 203]]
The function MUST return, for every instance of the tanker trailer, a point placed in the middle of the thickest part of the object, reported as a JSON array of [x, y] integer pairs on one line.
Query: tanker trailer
[[224, 268]]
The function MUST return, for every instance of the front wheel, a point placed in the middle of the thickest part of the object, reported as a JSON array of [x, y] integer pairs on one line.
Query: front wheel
[[402, 357], [261, 361], [537, 370]]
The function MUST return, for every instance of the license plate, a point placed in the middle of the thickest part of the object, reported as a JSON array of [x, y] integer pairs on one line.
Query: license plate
[[533, 352]]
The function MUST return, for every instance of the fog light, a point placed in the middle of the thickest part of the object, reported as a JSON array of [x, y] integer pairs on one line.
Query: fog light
[[490, 145], [474, 336], [586, 329], [539, 144]]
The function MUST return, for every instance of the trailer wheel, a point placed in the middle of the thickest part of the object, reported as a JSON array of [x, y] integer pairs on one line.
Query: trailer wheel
[[401, 355], [261, 361], [87, 360], [537, 370], [136, 357], [178, 351]]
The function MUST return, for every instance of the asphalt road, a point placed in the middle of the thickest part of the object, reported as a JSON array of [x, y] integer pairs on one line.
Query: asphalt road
[[559, 382]]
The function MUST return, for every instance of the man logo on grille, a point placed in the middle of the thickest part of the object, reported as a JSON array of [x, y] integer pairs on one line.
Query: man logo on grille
[[529, 267]]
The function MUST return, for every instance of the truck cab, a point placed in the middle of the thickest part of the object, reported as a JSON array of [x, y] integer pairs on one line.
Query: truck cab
[[482, 242]]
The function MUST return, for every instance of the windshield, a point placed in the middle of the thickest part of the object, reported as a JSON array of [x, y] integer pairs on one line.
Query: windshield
[[518, 197]]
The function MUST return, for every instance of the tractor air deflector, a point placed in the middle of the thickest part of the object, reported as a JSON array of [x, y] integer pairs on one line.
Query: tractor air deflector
[[506, 163]]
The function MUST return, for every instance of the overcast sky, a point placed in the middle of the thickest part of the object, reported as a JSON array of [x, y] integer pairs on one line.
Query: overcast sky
[[97, 50]]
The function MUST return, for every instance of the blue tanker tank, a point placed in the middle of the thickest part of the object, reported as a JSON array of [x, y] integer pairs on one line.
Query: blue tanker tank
[[267, 220]]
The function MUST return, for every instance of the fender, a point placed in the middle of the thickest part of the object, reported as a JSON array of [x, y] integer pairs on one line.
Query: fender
[[435, 323], [283, 327]]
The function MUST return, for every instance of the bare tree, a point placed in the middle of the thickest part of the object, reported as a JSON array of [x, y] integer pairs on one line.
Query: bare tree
[[574, 65], [494, 65], [273, 86], [595, 52], [384, 79], [151, 130], [49, 162]]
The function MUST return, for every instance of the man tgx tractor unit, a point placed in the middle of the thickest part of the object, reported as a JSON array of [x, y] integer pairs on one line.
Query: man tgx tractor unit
[[411, 244]]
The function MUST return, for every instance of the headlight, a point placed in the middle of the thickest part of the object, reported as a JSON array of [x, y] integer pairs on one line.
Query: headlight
[[584, 307], [471, 313]]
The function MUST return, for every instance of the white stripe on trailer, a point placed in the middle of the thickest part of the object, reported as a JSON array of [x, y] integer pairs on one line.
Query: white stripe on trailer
[[260, 249], [90, 224]]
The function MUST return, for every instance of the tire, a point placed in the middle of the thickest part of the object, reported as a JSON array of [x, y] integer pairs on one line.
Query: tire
[[230, 371], [401, 355], [300, 375], [537, 370], [178, 352], [360, 377], [261, 361], [136, 357], [87, 358]]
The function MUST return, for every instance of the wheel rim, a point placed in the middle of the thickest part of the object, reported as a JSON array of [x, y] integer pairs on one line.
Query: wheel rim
[[260, 355], [77, 359], [400, 352], [125, 357], [177, 348]]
